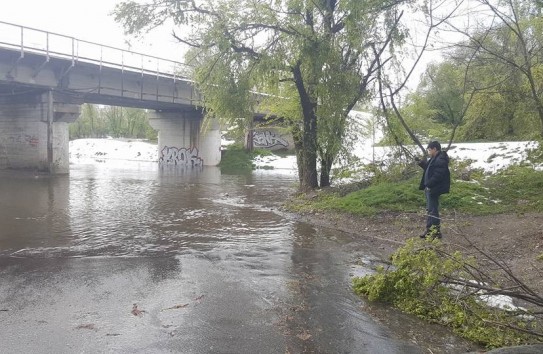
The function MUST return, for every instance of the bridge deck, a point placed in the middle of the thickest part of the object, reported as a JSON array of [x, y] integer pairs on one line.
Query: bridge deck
[[93, 72]]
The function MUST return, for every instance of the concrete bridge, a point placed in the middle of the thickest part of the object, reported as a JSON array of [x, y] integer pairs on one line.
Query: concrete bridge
[[46, 77]]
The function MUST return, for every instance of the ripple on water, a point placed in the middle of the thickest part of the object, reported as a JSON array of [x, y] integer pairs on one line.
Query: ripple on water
[[108, 211]]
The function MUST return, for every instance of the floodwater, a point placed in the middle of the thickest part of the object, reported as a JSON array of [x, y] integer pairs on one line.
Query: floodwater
[[125, 257]]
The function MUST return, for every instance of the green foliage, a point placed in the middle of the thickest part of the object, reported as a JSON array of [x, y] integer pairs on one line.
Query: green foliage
[[491, 83], [445, 93], [517, 189], [117, 122], [237, 160], [416, 284], [422, 119]]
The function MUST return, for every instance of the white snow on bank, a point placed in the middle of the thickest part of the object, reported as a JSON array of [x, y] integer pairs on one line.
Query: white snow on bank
[[490, 157], [112, 149]]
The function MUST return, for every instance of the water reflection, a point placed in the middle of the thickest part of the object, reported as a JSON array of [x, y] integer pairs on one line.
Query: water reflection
[[142, 209], [33, 211]]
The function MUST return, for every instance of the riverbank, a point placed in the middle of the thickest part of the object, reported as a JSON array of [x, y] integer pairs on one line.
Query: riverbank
[[514, 239]]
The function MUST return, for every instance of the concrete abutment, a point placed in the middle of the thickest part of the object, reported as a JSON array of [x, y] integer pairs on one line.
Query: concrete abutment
[[34, 130]]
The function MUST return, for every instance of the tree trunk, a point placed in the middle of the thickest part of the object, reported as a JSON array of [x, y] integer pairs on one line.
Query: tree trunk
[[250, 142], [326, 167], [309, 162], [298, 148], [309, 135]]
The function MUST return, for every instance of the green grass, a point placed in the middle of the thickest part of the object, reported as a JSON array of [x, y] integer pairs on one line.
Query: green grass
[[517, 189], [381, 197]]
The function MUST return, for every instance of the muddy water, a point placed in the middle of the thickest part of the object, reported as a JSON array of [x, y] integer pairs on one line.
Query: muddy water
[[134, 258]]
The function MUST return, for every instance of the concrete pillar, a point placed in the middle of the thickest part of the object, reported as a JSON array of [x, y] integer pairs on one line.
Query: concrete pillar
[[182, 141], [34, 131], [210, 143]]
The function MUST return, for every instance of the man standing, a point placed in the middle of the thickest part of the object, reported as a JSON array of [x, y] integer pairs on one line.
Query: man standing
[[435, 181]]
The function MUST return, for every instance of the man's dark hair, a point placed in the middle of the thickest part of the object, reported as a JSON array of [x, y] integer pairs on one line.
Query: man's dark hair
[[434, 145]]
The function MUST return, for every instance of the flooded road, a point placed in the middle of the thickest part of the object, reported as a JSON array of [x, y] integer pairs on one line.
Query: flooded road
[[136, 258]]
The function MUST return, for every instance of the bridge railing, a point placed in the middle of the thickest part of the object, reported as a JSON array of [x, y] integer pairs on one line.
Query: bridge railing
[[31, 40]]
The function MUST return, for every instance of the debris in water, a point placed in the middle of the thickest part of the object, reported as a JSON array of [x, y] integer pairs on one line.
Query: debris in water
[[136, 311], [90, 326], [177, 307]]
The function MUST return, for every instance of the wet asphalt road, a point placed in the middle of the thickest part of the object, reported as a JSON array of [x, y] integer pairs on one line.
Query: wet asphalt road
[[138, 259]]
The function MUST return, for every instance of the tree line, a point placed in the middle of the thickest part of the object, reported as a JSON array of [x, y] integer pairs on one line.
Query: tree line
[[108, 121], [313, 61], [490, 84]]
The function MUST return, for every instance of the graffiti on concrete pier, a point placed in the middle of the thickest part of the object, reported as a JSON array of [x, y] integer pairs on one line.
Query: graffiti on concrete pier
[[268, 139], [180, 156]]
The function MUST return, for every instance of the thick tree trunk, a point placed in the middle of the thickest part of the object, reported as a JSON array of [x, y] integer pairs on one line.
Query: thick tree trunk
[[308, 155], [299, 149], [326, 167]]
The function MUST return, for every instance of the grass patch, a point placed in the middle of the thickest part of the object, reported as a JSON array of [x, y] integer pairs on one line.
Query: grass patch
[[517, 189], [381, 197]]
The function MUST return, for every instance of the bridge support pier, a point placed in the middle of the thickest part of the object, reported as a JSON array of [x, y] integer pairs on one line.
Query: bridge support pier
[[183, 141], [34, 131]]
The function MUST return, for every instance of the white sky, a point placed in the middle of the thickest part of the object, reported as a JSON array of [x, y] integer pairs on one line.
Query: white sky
[[91, 20], [88, 20]]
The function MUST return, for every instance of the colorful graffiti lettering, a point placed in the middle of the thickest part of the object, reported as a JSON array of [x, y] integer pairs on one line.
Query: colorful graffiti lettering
[[268, 139], [180, 156]]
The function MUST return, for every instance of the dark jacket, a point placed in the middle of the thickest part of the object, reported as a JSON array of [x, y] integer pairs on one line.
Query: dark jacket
[[439, 176]]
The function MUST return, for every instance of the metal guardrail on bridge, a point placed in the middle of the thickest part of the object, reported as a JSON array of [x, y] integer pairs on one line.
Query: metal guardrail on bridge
[[31, 40]]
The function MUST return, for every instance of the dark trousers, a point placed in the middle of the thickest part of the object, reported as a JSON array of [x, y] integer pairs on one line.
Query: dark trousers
[[432, 207]]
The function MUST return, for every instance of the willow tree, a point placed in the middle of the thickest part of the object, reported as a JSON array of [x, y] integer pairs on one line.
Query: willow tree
[[314, 59]]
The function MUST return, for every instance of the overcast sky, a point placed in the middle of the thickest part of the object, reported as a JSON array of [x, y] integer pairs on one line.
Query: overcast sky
[[88, 20]]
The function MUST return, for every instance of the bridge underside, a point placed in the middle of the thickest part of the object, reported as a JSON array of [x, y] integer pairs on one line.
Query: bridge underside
[[40, 96]]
